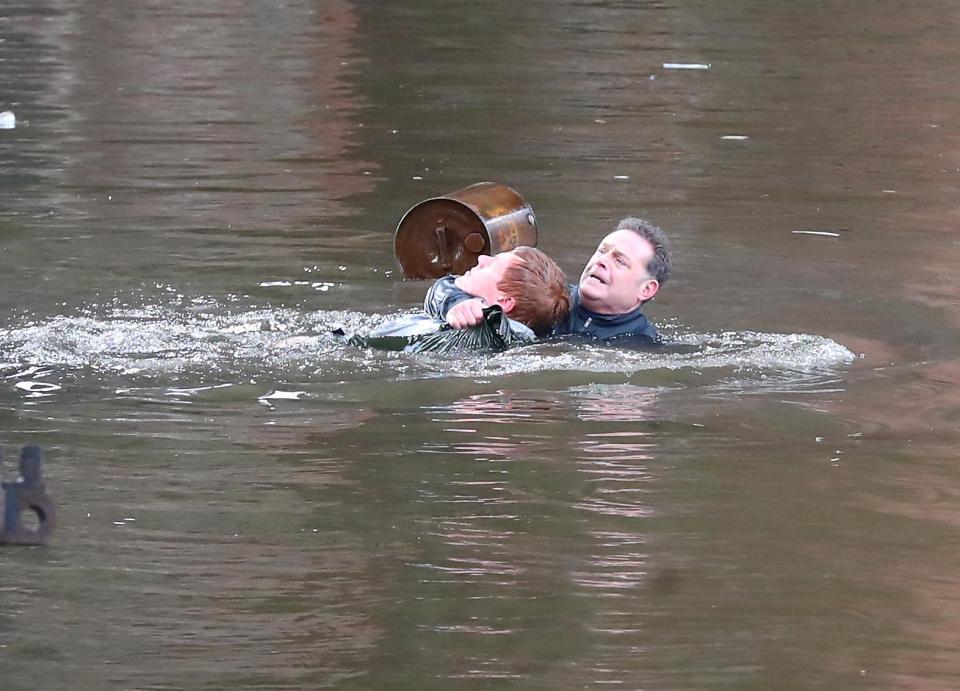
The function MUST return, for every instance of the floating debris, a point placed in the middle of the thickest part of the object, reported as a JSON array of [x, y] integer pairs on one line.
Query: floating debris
[[37, 386], [283, 396], [735, 137], [823, 233], [621, 177], [8, 120], [195, 390], [686, 65]]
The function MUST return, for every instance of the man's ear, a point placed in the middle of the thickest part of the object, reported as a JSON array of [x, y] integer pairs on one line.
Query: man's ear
[[648, 289], [508, 303]]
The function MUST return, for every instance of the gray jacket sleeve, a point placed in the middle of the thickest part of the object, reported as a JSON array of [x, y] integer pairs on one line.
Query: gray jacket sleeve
[[443, 295]]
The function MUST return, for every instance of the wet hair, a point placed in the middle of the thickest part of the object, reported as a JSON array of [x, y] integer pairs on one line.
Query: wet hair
[[539, 288], [659, 265]]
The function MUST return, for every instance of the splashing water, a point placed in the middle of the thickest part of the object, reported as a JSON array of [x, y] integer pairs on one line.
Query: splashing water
[[158, 339]]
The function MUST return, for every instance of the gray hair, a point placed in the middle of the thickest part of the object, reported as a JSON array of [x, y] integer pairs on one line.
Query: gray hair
[[659, 265]]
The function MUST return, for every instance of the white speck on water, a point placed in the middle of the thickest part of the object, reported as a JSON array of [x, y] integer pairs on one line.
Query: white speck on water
[[27, 372], [621, 177], [686, 65], [342, 268], [600, 122], [283, 395], [889, 191], [184, 391], [735, 137], [37, 386], [822, 233], [8, 120], [417, 177]]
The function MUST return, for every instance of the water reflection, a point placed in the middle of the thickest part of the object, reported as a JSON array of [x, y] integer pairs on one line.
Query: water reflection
[[249, 503], [612, 468], [146, 119], [617, 403]]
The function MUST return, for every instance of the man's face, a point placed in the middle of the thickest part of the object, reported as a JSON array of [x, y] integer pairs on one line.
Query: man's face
[[481, 281], [615, 279]]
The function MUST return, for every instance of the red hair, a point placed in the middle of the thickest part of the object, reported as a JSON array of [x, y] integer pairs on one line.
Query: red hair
[[539, 288]]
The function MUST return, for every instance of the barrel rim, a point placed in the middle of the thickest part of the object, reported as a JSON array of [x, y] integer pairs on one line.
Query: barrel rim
[[448, 197], [474, 211]]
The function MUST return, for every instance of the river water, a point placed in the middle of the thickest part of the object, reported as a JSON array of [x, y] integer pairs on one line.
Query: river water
[[195, 194]]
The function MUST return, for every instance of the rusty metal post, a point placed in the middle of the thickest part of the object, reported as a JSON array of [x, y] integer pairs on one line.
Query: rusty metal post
[[27, 492]]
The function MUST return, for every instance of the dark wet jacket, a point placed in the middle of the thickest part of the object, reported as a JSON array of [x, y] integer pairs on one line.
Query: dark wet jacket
[[416, 333], [443, 295], [582, 322]]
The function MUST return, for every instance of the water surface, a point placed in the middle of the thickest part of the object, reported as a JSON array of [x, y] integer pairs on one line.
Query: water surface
[[194, 196]]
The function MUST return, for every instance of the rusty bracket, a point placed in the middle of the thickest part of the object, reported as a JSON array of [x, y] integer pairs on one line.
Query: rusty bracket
[[29, 491]]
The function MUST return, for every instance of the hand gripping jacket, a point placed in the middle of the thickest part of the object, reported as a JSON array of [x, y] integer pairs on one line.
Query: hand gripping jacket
[[419, 333]]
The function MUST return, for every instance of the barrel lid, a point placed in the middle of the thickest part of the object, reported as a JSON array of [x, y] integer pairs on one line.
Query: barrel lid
[[439, 236]]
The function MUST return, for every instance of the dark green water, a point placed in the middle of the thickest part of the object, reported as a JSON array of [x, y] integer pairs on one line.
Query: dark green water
[[772, 503]]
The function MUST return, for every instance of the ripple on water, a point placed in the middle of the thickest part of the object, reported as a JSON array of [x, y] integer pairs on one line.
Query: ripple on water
[[158, 339]]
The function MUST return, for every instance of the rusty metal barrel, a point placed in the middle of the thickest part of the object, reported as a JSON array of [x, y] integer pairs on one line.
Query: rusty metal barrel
[[445, 235]]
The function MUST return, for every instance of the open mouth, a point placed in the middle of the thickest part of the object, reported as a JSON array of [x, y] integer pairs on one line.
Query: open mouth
[[597, 277]]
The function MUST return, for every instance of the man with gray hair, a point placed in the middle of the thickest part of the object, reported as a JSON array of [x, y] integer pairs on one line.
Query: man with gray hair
[[627, 269]]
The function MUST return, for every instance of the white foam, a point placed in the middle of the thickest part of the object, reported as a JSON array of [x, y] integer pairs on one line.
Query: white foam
[[37, 386], [138, 343]]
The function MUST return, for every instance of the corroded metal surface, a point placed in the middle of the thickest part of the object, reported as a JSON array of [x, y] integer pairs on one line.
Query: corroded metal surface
[[28, 492], [445, 235]]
